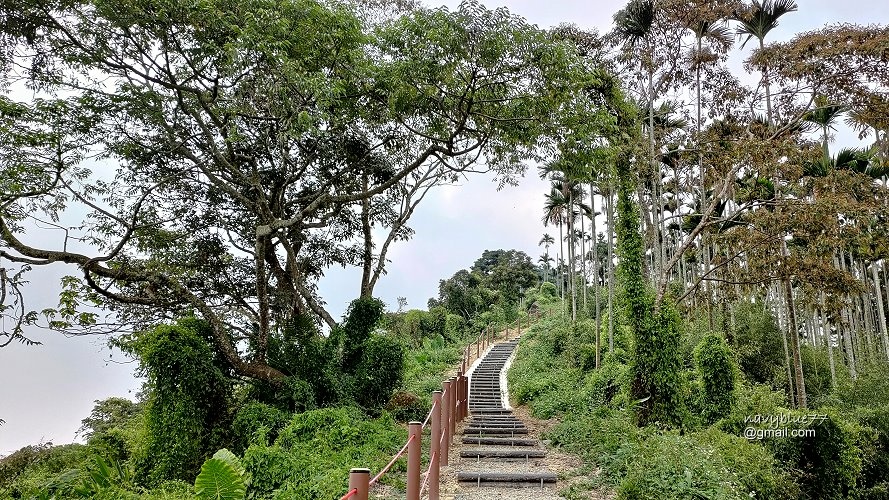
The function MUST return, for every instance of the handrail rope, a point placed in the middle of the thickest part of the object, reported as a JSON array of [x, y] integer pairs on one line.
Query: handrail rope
[[350, 494], [428, 472], [397, 456], [428, 416]]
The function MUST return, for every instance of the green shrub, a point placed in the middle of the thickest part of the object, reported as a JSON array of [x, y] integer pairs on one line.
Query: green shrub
[[827, 464], [709, 465], [314, 452], [406, 407], [874, 443], [187, 410], [29, 470], [757, 341], [602, 386], [255, 417], [378, 373], [716, 371]]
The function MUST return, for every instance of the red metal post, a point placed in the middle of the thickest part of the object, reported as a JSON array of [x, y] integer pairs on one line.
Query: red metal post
[[414, 455], [445, 427], [435, 447], [359, 479]]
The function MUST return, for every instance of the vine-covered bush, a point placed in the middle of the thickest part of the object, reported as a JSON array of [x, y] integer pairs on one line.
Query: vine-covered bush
[[253, 418], [717, 374], [187, 409]]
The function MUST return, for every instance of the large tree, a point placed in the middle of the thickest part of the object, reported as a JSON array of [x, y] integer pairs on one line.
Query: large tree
[[244, 145]]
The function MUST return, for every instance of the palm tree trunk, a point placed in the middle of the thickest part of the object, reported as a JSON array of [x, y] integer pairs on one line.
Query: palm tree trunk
[[560, 266], [881, 313], [794, 336], [828, 336], [596, 273], [610, 202], [583, 261], [765, 80], [572, 278], [846, 335]]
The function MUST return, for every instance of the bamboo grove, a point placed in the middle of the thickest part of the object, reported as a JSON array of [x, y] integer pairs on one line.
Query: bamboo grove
[[742, 195]]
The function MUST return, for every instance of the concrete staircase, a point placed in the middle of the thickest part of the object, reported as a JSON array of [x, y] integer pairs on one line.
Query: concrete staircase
[[498, 452]]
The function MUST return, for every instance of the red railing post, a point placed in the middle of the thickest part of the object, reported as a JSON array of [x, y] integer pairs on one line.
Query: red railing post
[[452, 411], [414, 452], [435, 447], [358, 480], [466, 396], [445, 427]]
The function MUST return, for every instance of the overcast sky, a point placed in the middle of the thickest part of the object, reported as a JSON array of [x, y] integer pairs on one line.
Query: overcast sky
[[45, 391]]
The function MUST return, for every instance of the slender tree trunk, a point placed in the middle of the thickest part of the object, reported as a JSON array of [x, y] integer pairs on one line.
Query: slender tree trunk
[[572, 277], [799, 378], [610, 202], [828, 336], [765, 78], [846, 336], [782, 326], [367, 257], [881, 312], [596, 274], [583, 261], [560, 267]]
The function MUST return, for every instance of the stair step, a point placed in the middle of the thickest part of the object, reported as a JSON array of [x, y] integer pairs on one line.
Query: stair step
[[506, 477], [483, 453], [501, 441], [471, 431]]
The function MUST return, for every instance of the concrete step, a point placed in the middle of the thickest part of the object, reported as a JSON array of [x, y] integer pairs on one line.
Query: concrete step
[[506, 477], [480, 453], [490, 431], [499, 441]]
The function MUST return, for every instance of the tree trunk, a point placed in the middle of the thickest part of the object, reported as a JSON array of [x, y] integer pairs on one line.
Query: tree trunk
[[367, 257], [828, 336], [846, 336], [881, 312], [596, 274], [610, 202], [572, 278], [560, 267], [782, 325], [583, 261], [799, 379]]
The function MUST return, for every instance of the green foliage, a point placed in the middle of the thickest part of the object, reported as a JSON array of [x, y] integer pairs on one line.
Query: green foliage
[[757, 342], [510, 272], [548, 291], [703, 465], [658, 385], [378, 373], [312, 455], [31, 469], [827, 464], [187, 411], [222, 477], [874, 444], [360, 320], [717, 372], [256, 422]]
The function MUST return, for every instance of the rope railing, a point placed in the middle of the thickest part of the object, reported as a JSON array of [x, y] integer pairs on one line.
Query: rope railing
[[428, 472], [450, 406], [391, 462]]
